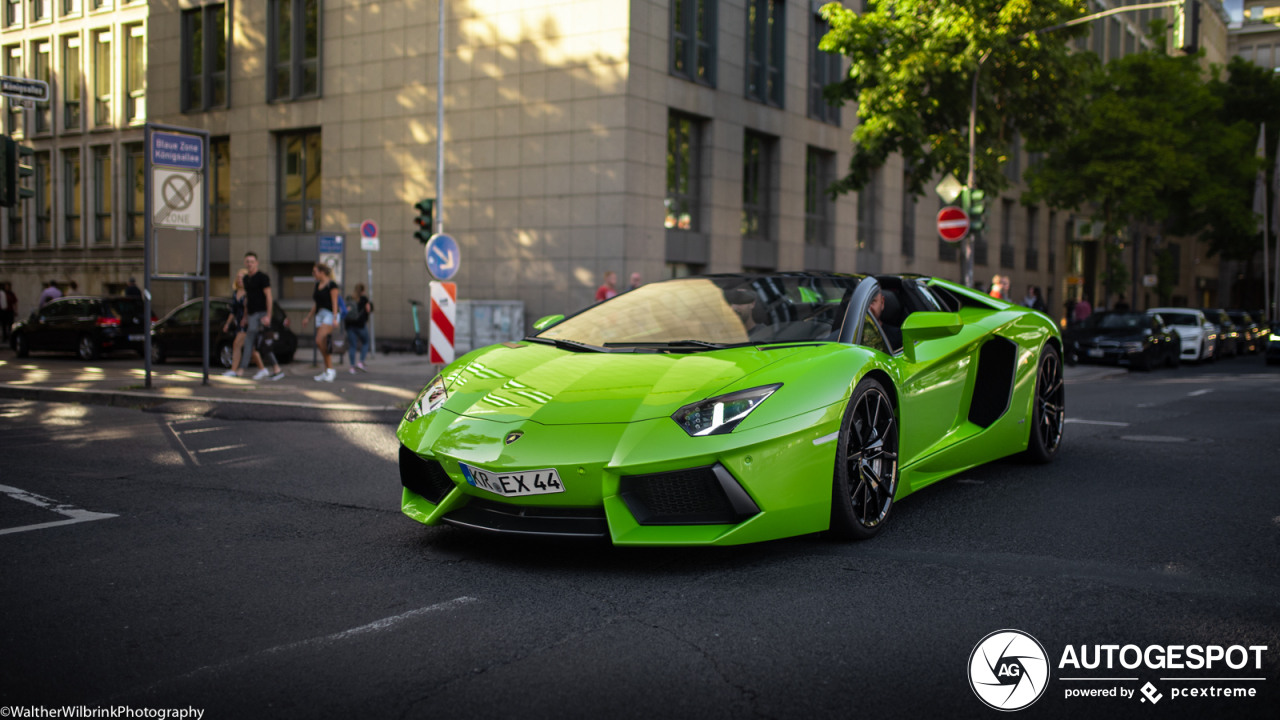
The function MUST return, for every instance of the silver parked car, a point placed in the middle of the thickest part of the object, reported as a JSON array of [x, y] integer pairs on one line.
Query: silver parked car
[[1199, 335]]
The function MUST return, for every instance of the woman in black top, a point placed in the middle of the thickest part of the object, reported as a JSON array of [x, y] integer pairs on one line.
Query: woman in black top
[[234, 324], [357, 333], [324, 308]]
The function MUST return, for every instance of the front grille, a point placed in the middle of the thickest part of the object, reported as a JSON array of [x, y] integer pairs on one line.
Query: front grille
[[696, 496], [424, 477], [508, 519]]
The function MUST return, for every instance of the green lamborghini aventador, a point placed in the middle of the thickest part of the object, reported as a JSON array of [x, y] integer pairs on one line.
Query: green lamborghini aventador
[[728, 409]]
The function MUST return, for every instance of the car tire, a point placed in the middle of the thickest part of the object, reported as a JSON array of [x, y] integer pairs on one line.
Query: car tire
[[867, 448], [158, 355], [224, 355], [1048, 409], [87, 350], [20, 346]]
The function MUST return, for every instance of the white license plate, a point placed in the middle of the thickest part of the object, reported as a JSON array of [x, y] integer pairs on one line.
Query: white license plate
[[136, 338], [1096, 352], [514, 484]]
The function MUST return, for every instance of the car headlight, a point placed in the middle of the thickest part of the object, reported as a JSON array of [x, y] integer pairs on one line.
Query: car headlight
[[1274, 338], [429, 400], [1132, 346], [720, 415]]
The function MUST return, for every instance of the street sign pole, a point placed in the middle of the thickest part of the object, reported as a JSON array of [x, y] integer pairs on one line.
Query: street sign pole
[[369, 265], [147, 242]]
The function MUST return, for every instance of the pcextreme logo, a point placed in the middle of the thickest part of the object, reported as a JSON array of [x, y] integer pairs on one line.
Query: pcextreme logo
[[1008, 670]]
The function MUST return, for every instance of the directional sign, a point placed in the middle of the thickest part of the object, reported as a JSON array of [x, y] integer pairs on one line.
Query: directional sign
[[175, 196], [369, 236], [24, 88], [443, 257], [953, 223], [176, 150]]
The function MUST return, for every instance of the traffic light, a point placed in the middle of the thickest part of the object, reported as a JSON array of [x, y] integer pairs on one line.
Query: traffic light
[[974, 202], [12, 171], [425, 219], [26, 169], [1186, 26]]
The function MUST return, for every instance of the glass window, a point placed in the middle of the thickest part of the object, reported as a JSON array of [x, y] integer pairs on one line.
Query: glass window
[[135, 73], [44, 71], [102, 60], [1033, 249], [12, 13], [1099, 33], [817, 204], [71, 7], [756, 191], [766, 50], [693, 40], [135, 193], [682, 173], [299, 187], [71, 82], [103, 227], [44, 200], [1053, 240], [15, 113], [1130, 43], [867, 212], [293, 50], [909, 201], [824, 69], [220, 209], [871, 335], [204, 58], [1006, 233], [71, 200], [101, 4], [1113, 40], [17, 234], [41, 9]]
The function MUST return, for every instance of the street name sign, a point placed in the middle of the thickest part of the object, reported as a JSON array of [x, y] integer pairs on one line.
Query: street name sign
[[953, 223], [24, 88]]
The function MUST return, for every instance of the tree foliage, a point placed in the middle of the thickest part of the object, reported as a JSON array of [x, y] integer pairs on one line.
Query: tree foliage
[[912, 66]]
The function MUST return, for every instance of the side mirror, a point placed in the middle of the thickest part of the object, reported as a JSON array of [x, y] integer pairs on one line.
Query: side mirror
[[920, 326], [546, 322]]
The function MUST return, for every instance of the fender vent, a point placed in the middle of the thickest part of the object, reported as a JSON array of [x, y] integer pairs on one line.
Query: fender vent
[[993, 387], [424, 477], [696, 496]]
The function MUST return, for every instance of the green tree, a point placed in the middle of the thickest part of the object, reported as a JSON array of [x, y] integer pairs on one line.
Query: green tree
[[912, 66]]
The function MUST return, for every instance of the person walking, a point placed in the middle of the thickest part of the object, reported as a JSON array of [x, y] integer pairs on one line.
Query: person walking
[[636, 280], [997, 287], [234, 324], [132, 290], [72, 288], [51, 292], [324, 308], [258, 307], [1083, 310], [8, 311], [609, 288], [357, 321]]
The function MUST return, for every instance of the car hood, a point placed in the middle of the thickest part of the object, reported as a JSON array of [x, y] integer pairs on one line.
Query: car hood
[[560, 387]]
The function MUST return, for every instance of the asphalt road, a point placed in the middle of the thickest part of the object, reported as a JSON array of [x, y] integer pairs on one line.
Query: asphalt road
[[262, 569]]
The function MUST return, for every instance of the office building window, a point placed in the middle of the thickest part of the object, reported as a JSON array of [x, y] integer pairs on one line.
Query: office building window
[[72, 7], [1130, 43], [682, 173], [293, 49], [824, 69], [947, 251], [102, 62], [980, 249], [101, 4], [103, 227], [16, 236], [44, 200], [71, 198], [1006, 233], [1113, 40], [1052, 240], [220, 193], [756, 166], [299, 187], [71, 83], [909, 200], [1099, 34], [867, 200], [693, 40], [818, 166], [1175, 262], [1013, 163], [135, 73], [41, 10], [135, 193], [16, 115], [766, 50], [1033, 249], [204, 58], [12, 13], [44, 71]]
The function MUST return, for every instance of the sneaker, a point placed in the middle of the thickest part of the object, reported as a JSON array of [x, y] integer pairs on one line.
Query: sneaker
[[361, 366], [352, 371], [278, 376], [230, 373], [324, 374], [261, 374], [330, 374]]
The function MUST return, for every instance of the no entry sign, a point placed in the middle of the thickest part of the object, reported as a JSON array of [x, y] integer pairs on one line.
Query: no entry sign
[[953, 223]]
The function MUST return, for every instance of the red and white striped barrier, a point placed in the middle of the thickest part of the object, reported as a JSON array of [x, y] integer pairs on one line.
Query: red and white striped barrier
[[444, 312]]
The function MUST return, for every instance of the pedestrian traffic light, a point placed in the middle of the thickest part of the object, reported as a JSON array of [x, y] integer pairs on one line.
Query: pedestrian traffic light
[[1186, 26], [974, 202], [425, 219], [12, 171]]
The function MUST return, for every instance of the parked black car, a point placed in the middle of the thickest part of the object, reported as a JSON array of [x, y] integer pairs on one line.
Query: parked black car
[[86, 326], [1138, 340], [1252, 338], [1230, 340], [178, 333]]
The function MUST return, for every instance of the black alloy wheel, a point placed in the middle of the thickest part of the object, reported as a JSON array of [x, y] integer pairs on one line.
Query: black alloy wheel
[[225, 355], [158, 355], [87, 349], [866, 477], [1048, 413]]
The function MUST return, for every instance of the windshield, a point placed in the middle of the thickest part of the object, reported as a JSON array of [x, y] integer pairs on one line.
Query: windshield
[[1111, 321], [718, 310], [125, 306], [1186, 319], [1239, 317]]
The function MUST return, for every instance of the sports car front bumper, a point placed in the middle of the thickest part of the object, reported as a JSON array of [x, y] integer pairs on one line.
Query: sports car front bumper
[[640, 483]]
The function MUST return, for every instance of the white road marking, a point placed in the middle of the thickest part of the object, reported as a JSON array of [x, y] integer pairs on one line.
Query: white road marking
[[190, 456], [827, 438], [75, 514], [1206, 391], [208, 429], [224, 447], [1095, 422]]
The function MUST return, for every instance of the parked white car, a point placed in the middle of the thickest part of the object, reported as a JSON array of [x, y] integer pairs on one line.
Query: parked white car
[[1199, 336]]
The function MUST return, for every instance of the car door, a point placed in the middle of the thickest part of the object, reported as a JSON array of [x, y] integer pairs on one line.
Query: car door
[[61, 318], [39, 329], [184, 336]]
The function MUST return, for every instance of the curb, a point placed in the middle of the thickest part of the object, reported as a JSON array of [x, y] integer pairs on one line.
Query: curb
[[126, 398]]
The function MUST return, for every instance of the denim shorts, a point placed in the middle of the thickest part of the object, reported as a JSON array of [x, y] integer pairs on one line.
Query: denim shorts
[[324, 317]]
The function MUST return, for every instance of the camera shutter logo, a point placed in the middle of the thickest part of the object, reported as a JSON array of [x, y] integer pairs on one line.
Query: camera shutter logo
[[1008, 670]]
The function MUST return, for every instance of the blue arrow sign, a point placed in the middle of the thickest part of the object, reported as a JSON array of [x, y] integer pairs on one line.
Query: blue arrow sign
[[443, 257]]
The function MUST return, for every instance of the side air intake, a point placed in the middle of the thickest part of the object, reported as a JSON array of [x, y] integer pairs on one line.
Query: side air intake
[[993, 387]]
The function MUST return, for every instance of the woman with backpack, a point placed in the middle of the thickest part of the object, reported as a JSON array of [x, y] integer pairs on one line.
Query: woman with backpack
[[357, 321], [324, 307]]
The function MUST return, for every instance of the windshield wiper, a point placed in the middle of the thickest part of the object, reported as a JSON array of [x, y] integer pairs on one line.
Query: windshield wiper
[[571, 345], [673, 343]]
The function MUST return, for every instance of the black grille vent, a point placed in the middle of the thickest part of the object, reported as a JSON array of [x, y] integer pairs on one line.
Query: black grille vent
[[424, 477], [697, 496], [507, 519]]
